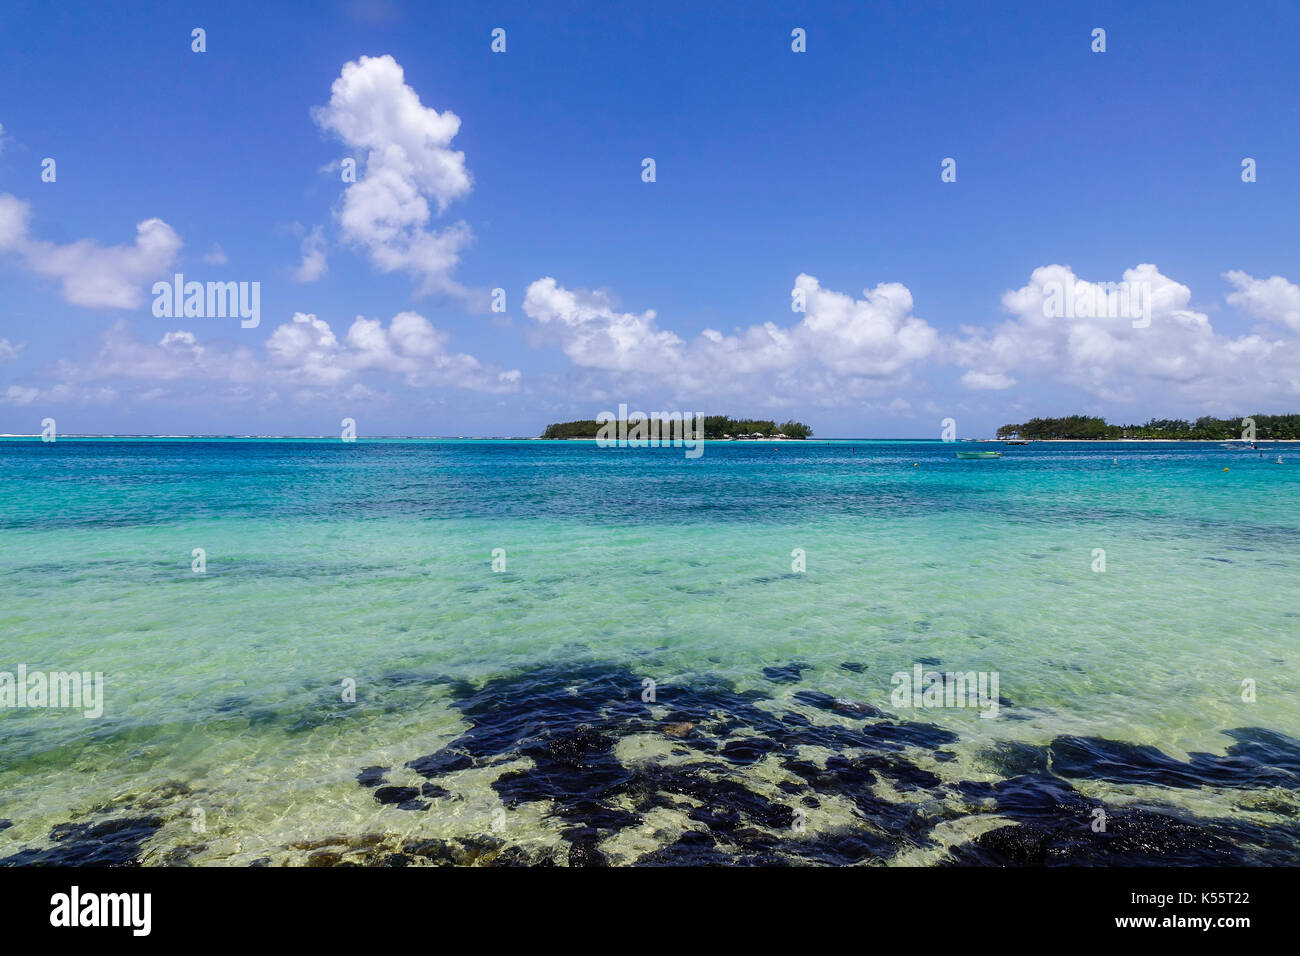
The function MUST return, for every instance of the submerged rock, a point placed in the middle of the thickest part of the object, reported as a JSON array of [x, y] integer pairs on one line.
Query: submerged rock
[[788, 674], [559, 730], [372, 776], [116, 842], [405, 798]]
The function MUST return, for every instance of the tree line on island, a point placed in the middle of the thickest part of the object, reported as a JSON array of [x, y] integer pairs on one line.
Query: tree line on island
[[715, 427], [1086, 428]]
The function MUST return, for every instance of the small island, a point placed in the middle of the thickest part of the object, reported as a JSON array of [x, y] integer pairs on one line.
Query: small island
[[1086, 428], [716, 427]]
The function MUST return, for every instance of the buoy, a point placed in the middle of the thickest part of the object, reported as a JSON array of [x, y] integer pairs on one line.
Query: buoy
[[914, 464], [1225, 469]]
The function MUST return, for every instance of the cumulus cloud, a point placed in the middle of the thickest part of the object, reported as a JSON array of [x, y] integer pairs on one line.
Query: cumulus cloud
[[1154, 350], [303, 353], [594, 334], [307, 352], [313, 265], [866, 352], [1275, 299], [1173, 350], [842, 347], [408, 163], [877, 336], [91, 275]]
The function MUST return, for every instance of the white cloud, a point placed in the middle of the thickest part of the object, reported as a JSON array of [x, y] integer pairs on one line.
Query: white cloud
[[91, 275], [217, 256], [176, 356], [842, 348], [313, 265], [854, 351], [20, 395], [594, 335], [987, 380], [877, 337], [9, 351], [306, 352], [1177, 355], [303, 353], [408, 162], [1275, 299]]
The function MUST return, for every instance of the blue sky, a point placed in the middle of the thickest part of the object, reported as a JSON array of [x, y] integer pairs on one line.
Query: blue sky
[[923, 299]]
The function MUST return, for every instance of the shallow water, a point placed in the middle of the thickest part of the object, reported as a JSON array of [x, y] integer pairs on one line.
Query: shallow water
[[499, 716]]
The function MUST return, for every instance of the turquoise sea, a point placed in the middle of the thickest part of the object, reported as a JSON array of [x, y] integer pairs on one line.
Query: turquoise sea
[[504, 716]]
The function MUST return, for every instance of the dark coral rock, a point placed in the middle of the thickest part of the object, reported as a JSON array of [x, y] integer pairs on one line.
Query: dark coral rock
[[1260, 759], [444, 761], [586, 854], [1132, 837], [116, 842], [788, 674], [406, 798], [746, 750], [372, 776], [560, 726], [838, 705], [1020, 844]]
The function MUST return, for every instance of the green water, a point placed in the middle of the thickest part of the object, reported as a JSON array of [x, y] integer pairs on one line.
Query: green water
[[373, 561]]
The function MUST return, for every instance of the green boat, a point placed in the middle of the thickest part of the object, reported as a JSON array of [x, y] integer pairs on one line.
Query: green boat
[[979, 454]]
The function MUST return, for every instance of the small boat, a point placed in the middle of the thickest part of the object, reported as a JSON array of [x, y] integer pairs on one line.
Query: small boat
[[979, 454], [1016, 441]]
